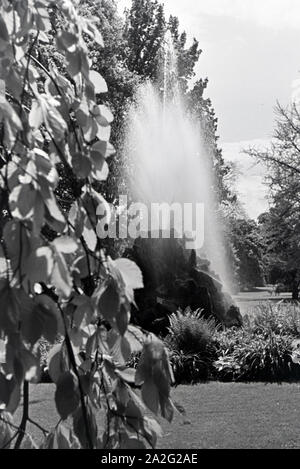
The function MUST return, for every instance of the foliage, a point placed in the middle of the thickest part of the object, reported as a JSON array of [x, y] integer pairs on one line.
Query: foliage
[[49, 118], [280, 318], [190, 367], [190, 341], [144, 32], [248, 244], [249, 355], [280, 229], [280, 226], [265, 349], [190, 332]]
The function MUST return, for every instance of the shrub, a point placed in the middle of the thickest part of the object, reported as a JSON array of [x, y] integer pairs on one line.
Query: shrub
[[255, 356], [189, 367], [189, 331], [280, 318], [190, 342]]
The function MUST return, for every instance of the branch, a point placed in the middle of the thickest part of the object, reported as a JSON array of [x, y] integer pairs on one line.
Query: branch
[[268, 158], [22, 428]]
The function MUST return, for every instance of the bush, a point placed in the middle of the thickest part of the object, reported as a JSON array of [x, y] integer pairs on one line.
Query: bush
[[260, 351], [280, 318], [189, 331], [189, 367], [250, 355], [190, 342]]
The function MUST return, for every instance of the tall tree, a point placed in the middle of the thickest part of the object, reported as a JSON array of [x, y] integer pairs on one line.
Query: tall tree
[[187, 57], [281, 225], [201, 107], [280, 228], [145, 30], [146, 26]]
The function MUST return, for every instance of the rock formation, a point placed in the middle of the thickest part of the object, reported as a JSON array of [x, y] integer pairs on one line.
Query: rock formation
[[176, 278]]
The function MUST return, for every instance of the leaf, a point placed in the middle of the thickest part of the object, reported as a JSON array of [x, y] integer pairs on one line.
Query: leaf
[[14, 398], [39, 265], [55, 363], [67, 396], [89, 236], [53, 214], [123, 317], [66, 40], [4, 36], [11, 121], [19, 245], [41, 319], [2, 351], [66, 438], [31, 366], [28, 443], [35, 118], [131, 442], [128, 375], [6, 388], [98, 82], [65, 244], [155, 375], [131, 274], [106, 115], [61, 277], [99, 148], [61, 438], [152, 429], [109, 301], [22, 201], [103, 133], [84, 312], [53, 120], [4, 265], [119, 347], [80, 427], [150, 396], [81, 165], [10, 309], [167, 408], [76, 218]]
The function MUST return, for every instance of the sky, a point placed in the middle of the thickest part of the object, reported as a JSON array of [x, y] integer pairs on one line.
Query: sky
[[251, 56]]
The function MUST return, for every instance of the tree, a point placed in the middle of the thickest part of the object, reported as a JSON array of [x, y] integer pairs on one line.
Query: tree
[[186, 57], [283, 157], [203, 110], [281, 226], [145, 31], [248, 245], [49, 118]]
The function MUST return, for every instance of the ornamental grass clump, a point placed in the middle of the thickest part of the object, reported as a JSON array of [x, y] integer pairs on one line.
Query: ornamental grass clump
[[190, 342], [280, 318]]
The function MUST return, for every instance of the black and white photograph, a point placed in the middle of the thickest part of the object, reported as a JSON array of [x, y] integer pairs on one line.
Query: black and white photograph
[[149, 228]]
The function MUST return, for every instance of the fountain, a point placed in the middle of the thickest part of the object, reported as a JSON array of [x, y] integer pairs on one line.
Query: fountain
[[168, 164]]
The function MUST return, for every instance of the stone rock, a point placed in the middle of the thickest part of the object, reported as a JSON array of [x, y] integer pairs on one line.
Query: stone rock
[[176, 278]]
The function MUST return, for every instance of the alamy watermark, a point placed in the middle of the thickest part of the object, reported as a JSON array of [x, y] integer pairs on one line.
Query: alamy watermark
[[156, 220]]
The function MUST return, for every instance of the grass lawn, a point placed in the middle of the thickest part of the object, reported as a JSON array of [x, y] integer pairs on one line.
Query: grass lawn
[[221, 415], [248, 300]]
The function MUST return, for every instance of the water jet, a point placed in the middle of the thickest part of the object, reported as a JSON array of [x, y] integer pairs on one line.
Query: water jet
[[168, 163]]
